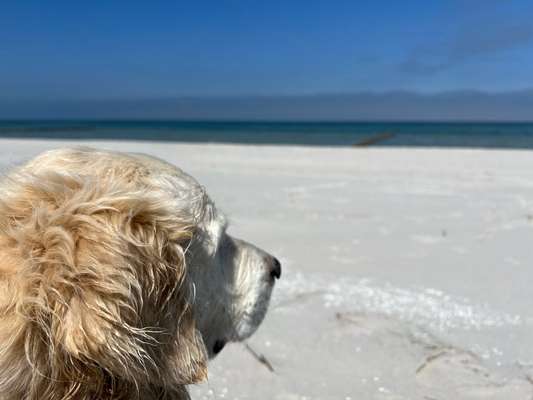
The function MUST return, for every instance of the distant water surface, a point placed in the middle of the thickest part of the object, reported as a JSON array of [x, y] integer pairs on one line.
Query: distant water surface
[[481, 135]]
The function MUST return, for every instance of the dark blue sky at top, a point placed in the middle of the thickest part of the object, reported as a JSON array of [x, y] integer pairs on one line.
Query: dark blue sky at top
[[149, 49]]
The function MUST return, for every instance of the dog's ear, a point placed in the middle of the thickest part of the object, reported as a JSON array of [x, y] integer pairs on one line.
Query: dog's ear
[[105, 283], [211, 228]]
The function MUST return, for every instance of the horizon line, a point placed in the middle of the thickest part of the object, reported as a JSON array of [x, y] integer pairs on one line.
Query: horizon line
[[528, 90]]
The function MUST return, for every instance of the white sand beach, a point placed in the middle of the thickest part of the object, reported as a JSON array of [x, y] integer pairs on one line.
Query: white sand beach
[[407, 273]]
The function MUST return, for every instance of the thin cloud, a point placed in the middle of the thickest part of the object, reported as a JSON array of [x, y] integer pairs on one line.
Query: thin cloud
[[474, 43]]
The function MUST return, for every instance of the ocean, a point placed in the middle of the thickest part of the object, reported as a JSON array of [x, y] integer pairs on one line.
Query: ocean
[[410, 134]]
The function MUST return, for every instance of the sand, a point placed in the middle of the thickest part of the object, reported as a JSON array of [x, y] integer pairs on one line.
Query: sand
[[407, 273]]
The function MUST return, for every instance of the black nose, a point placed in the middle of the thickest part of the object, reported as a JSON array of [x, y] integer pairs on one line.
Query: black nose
[[276, 268]]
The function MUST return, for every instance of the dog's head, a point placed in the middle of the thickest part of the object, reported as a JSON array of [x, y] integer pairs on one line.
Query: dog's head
[[233, 281], [118, 277]]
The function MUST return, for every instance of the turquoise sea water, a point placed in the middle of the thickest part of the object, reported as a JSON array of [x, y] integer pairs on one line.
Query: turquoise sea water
[[483, 135]]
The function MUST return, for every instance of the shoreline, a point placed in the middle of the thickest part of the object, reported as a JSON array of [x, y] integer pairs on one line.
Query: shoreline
[[46, 143]]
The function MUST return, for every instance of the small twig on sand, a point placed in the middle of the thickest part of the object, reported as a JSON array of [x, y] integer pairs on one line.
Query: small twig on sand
[[347, 317], [259, 357], [429, 360]]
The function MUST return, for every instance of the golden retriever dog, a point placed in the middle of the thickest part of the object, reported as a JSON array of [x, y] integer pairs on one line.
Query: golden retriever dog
[[118, 279]]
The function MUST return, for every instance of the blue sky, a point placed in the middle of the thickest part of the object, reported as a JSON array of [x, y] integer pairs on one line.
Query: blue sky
[[113, 49]]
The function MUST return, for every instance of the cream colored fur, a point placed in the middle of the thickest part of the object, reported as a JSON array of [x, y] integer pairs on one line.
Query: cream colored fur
[[117, 279]]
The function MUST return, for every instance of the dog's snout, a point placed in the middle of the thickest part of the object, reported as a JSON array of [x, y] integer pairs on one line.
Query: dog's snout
[[275, 272]]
